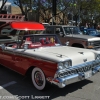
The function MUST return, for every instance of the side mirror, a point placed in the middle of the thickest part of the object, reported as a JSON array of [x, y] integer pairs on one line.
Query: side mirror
[[61, 34]]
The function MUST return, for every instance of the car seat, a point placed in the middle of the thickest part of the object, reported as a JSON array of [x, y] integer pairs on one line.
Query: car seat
[[42, 41]]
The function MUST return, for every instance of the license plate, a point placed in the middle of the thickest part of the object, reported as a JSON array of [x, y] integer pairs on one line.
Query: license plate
[[88, 74]]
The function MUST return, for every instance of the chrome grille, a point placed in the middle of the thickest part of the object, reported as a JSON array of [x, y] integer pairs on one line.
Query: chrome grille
[[96, 43], [80, 68], [84, 68]]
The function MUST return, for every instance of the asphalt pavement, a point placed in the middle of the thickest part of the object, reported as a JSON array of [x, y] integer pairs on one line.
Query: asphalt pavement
[[14, 86]]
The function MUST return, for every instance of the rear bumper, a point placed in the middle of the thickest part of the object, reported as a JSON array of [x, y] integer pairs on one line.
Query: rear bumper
[[63, 81]]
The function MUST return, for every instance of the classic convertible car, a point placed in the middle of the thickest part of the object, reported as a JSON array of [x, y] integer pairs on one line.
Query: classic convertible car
[[45, 58]]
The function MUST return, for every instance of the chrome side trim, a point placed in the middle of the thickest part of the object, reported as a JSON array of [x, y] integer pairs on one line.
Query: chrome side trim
[[21, 53]]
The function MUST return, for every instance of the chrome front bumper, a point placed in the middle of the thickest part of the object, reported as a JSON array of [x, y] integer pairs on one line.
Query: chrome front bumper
[[63, 81]]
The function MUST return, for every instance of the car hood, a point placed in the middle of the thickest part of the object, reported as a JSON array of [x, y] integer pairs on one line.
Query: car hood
[[62, 53], [87, 37]]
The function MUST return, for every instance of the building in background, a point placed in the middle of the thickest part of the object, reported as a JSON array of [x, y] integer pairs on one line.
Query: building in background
[[15, 10]]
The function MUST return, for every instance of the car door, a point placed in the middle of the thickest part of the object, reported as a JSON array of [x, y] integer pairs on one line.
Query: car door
[[6, 57], [20, 62], [59, 32], [68, 31]]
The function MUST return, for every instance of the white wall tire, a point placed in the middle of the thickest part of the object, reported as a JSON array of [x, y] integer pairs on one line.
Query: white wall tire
[[38, 78]]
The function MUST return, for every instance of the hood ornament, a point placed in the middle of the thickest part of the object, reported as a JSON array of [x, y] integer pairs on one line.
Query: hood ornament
[[81, 52], [59, 56], [84, 60]]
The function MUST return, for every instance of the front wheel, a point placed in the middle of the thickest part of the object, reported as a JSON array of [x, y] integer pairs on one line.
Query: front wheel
[[38, 78]]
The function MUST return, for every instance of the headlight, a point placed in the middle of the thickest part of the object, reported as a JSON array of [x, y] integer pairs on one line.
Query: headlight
[[63, 65], [98, 57], [66, 64], [90, 43], [60, 66]]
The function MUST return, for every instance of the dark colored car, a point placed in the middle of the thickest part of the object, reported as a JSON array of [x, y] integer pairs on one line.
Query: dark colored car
[[91, 32]]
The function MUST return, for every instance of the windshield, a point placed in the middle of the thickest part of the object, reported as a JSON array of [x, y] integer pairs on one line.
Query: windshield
[[36, 41], [72, 30]]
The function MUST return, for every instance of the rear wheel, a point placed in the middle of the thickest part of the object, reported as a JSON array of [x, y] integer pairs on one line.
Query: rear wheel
[[38, 79]]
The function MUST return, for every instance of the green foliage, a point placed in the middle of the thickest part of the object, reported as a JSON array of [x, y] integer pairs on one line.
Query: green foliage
[[87, 9]]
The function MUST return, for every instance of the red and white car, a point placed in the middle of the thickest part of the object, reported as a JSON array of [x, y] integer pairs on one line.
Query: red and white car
[[45, 58]]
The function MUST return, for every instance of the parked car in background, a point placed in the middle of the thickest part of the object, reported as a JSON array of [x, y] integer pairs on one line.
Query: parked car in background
[[72, 36], [82, 28], [91, 32], [6, 33], [44, 58]]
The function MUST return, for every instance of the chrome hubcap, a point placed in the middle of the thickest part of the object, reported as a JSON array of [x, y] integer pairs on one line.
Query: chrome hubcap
[[38, 78]]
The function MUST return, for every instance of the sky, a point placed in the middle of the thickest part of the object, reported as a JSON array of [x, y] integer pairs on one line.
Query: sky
[[11, 1]]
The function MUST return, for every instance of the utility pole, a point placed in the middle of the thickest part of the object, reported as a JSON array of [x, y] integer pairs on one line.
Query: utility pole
[[38, 10], [53, 11]]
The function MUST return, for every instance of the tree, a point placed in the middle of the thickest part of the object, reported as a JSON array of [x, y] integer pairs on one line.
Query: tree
[[48, 12], [43, 9], [90, 10], [78, 9], [24, 5], [63, 8], [3, 3], [86, 10]]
